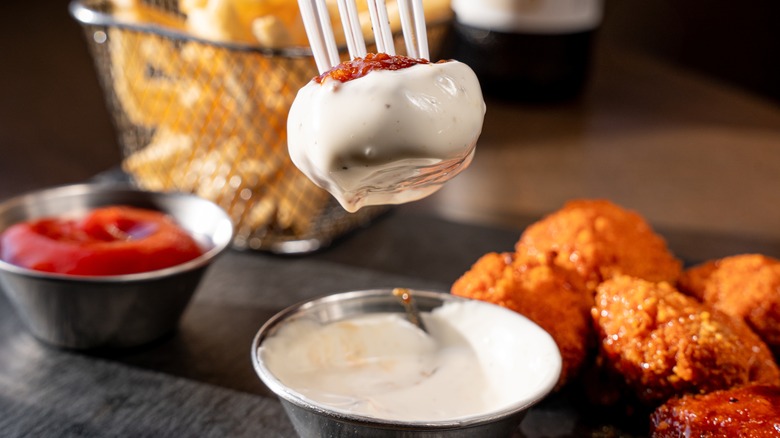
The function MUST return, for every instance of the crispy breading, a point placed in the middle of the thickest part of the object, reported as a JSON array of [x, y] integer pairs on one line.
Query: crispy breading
[[746, 286], [750, 411], [544, 293], [665, 343], [599, 240]]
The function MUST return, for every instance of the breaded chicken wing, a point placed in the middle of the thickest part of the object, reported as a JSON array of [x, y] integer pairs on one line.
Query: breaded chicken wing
[[751, 411], [544, 293], [746, 286], [599, 240], [665, 343]]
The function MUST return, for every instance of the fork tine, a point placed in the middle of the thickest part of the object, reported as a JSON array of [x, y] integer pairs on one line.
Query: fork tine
[[407, 25], [381, 24], [413, 25], [421, 33], [327, 30], [313, 34], [352, 29], [316, 21]]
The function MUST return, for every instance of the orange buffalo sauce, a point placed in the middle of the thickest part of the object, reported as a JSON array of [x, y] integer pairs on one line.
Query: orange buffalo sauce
[[359, 67]]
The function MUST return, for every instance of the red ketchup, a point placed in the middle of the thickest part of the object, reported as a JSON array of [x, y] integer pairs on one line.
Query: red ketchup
[[114, 240]]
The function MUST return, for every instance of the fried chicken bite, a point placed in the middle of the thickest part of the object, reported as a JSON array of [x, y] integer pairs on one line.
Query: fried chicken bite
[[545, 294], [599, 240], [749, 411], [746, 286], [665, 343]]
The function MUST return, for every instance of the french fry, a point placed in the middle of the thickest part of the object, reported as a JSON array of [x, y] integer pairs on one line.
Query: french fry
[[298, 201], [144, 73], [219, 20], [277, 23], [155, 166], [137, 12], [270, 31]]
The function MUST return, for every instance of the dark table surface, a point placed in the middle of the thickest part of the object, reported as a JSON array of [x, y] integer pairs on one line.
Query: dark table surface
[[199, 381], [699, 159]]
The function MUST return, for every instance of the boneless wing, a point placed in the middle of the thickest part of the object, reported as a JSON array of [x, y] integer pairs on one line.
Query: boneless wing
[[665, 343], [751, 411], [543, 293], [599, 240], [746, 286]]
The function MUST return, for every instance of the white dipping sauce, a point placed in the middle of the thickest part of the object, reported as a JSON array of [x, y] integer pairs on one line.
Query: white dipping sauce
[[479, 358], [361, 138]]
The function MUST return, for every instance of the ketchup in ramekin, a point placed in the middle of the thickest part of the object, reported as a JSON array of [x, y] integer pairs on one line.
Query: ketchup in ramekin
[[114, 240]]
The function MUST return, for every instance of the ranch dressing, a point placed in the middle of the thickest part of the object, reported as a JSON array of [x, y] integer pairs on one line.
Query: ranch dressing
[[388, 137], [382, 366]]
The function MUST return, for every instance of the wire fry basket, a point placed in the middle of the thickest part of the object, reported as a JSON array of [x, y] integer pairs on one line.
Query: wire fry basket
[[209, 118]]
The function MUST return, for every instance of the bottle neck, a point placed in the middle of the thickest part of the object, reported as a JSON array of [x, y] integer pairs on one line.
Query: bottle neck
[[530, 16]]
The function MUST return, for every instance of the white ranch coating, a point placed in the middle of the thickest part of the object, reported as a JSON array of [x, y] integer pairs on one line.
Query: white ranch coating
[[362, 138]]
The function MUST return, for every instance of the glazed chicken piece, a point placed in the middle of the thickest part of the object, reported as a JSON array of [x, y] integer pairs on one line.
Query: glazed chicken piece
[[665, 343], [750, 411]]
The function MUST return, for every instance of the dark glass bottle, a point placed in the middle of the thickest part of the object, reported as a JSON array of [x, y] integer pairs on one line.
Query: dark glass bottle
[[540, 55]]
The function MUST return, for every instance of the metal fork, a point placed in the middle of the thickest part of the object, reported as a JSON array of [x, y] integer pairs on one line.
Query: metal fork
[[316, 20]]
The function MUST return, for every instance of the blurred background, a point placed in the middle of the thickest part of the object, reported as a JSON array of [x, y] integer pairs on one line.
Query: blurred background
[[734, 44], [55, 129]]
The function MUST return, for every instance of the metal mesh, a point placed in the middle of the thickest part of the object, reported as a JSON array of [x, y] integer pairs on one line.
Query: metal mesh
[[210, 118]]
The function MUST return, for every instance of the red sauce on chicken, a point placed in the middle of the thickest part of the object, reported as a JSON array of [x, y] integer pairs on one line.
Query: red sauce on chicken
[[113, 240], [359, 67], [747, 411]]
